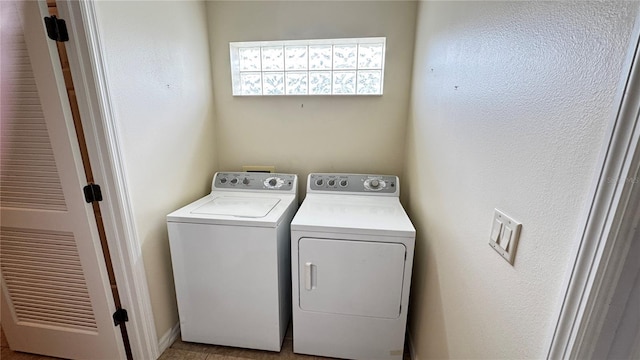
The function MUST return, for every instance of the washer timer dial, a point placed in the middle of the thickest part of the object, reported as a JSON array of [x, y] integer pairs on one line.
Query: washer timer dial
[[274, 182]]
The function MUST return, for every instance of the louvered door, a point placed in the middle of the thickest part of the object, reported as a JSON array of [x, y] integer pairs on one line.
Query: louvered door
[[56, 298]]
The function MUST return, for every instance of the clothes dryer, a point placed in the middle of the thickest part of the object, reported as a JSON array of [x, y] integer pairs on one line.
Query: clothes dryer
[[352, 248], [231, 261]]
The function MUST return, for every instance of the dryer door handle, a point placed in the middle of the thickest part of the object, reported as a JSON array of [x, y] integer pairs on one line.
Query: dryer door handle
[[308, 276]]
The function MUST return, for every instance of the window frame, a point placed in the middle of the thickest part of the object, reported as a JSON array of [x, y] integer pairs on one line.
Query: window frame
[[358, 71]]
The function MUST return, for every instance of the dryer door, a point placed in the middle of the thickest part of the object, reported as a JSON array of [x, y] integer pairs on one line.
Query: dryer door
[[351, 277]]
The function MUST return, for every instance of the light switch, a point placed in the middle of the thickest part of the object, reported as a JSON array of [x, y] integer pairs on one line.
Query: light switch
[[496, 230], [505, 233], [506, 238]]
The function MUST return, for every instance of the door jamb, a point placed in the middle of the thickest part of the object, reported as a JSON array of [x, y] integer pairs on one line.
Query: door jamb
[[600, 251], [90, 76]]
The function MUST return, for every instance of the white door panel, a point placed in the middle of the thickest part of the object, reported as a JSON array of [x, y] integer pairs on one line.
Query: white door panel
[[56, 298], [351, 277]]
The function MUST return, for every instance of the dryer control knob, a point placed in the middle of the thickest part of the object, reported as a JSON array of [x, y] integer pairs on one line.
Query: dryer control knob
[[234, 181], [223, 180], [344, 183], [374, 183], [273, 182], [319, 182], [245, 181], [332, 182]]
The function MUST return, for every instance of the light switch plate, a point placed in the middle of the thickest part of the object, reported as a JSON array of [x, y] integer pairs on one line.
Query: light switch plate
[[504, 236]]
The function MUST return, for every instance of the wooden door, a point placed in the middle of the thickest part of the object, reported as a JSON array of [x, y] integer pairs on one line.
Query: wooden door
[[56, 298]]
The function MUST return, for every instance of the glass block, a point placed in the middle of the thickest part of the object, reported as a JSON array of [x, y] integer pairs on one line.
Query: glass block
[[272, 58], [273, 83], [369, 81], [370, 56], [249, 59], [344, 82], [320, 57], [295, 57], [344, 56], [319, 82], [297, 83], [250, 84]]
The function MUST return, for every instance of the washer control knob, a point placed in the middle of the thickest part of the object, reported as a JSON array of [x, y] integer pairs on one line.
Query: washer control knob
[[319, 182], [332, 182], [223, 180], [273, 182], [374, 183], [245, 181], [344, 183], [234, 181]]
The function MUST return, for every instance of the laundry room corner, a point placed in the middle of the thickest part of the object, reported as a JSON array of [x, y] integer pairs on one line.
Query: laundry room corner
[[161, 91], [304, 134]]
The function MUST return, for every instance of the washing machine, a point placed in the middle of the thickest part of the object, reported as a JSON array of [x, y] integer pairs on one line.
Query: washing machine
[[230, 253], [352, 248]]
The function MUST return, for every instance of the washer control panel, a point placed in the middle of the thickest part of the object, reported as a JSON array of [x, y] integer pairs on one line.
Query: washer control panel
[[253, 181], [353, 183]]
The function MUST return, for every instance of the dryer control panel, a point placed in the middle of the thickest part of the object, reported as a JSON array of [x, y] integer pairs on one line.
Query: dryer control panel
[[353, 183], [254, 181]]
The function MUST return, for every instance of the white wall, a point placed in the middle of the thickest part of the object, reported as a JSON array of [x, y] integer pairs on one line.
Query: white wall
[[160, 82], [510, 105], [313, 133]]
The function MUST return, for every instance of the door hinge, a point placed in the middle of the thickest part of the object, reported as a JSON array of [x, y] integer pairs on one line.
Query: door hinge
[[120, 316], [56, 28], [92, 193]]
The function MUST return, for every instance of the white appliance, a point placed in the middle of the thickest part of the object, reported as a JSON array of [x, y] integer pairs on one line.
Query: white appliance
[[352, 249], [231, 261]]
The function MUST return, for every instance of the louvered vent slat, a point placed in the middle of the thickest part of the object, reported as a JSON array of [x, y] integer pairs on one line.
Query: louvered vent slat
[[69, 283], [59, 265], [70, 299], [50, 319], [44, 278], [25, 268], [16, 248], [46, 300], [27, 156], [82, 313], [18, 239]]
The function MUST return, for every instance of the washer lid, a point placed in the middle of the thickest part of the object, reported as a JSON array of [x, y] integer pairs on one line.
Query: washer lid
[[238, 206]]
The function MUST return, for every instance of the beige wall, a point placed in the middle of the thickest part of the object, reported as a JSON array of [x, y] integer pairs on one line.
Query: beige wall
[[510, 107], [160, 82], [313, 133]]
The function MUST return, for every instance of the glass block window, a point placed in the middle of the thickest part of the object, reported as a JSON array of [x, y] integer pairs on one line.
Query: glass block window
[[308, 67]]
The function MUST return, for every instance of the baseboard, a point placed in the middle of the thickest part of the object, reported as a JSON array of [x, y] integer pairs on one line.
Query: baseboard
[[169, 337], [412, 349]]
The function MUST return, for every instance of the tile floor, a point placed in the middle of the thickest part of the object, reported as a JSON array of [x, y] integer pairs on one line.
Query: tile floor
[[8, 354], [181, 350]]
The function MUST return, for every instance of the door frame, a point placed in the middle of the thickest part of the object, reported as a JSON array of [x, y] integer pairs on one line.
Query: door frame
[[605, 237], [90, 79]]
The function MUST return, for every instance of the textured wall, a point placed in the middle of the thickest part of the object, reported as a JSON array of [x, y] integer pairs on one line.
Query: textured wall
[[313, 133], [157, 57], [510, 105]]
